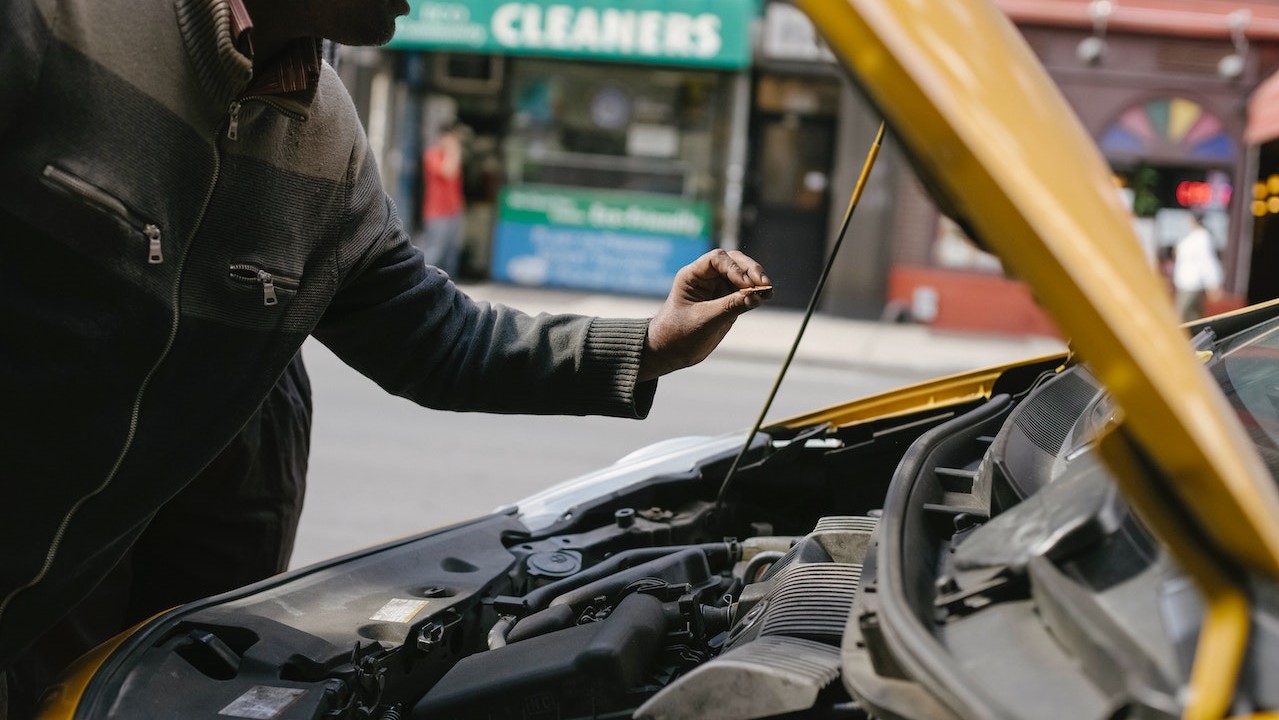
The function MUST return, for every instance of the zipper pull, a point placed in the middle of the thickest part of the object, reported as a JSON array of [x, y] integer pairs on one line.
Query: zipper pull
[[233, 126], [154, 254], [268, 288]]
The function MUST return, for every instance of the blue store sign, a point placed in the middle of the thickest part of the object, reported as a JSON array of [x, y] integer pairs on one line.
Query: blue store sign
[[608, 241]]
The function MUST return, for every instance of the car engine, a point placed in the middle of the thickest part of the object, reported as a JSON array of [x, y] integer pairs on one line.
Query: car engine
[[967, 560]]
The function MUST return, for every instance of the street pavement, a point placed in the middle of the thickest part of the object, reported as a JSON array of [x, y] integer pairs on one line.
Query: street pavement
[[769, 332]]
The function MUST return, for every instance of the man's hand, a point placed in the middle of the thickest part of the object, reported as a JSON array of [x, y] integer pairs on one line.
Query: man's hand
[[707, 297]]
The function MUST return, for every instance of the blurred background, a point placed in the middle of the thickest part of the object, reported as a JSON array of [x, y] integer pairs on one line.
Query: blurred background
[[607, 143]]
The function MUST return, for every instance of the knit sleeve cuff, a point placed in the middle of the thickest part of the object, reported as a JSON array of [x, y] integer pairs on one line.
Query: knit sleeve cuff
[[610, 369]]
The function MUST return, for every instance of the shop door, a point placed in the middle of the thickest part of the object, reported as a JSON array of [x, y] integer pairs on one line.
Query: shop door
[[786, 205]]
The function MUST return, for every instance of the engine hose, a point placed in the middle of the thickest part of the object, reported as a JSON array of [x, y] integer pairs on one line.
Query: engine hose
[[640, 562], [499, 631], [768, 557], [689, 565], [717, 554]]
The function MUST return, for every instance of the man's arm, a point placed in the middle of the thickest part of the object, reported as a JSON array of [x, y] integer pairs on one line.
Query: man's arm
[[445, 159], [407, 327], [1210, 268]]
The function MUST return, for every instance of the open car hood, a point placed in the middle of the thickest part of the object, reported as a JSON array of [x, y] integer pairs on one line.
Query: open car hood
[[992, 136]]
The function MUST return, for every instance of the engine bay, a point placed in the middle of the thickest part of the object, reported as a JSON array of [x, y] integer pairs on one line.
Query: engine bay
[[972, 560]]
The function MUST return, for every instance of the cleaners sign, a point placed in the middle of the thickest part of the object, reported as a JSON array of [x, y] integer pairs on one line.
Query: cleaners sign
[[699, 33], [591, 240]]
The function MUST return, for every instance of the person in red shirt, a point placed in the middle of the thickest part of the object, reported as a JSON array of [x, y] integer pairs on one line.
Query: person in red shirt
[[443, 204]]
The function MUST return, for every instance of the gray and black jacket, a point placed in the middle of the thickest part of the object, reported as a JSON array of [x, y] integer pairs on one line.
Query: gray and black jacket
[[157, 275]]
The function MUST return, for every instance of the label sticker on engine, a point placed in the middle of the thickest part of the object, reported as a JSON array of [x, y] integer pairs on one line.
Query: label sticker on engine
[[262, 702], [399, 610]]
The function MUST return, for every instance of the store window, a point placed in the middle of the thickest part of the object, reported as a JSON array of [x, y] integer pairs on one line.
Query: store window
[[614, 127], [1169, 127], [468, 73], [613, 174], [795, 117], [786, 205], [1163, 197], [1172, 157]]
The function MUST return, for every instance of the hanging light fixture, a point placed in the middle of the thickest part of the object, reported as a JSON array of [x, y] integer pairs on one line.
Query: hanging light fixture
[[1232, 66], [1092, 48]]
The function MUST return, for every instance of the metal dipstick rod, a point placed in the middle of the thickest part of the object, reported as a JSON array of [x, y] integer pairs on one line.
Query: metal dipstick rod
[[808, 313]]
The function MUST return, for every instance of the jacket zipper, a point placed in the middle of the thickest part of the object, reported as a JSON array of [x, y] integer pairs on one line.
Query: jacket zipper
[[244, 272], [108, 203], [233, 113], [175, 298], [233, 122], [155, 256]]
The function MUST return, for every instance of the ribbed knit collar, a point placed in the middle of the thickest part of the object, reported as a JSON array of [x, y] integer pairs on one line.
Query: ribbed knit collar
[[206, 27], [206, 30], [296, 70]]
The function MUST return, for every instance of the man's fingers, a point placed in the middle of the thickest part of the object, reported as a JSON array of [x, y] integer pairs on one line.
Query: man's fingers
[[752, 272], [735, 266], [735, 304]]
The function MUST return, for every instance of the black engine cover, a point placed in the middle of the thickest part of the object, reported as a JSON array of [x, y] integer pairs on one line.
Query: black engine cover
[[577, 672]]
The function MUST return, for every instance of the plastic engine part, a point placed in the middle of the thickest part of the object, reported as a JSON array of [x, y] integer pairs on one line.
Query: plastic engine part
[[564, 674], [771, 676]]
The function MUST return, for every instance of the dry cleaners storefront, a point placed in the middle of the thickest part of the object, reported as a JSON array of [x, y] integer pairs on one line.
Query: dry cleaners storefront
[[618, 132]]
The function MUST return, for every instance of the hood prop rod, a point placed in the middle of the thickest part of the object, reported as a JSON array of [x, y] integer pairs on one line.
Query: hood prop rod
[[856, 197]]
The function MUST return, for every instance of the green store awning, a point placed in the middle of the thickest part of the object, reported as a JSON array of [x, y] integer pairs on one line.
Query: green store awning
[[691, 33]]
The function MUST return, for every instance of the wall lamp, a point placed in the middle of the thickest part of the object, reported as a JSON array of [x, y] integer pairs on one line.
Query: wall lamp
[[1232, 66], [1092, 48]]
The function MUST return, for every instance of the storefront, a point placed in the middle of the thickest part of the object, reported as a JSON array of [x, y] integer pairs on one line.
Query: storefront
[[809, 133], [600, 131], [1163, 95]]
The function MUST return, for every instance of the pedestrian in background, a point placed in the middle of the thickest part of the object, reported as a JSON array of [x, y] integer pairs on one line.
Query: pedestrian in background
[[1196, 271], [443, 204]]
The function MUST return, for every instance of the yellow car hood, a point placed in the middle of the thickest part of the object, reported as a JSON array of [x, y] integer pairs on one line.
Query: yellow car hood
[[992, 136]]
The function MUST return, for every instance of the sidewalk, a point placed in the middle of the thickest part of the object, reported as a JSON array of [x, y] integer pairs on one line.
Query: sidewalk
[[768, 333]]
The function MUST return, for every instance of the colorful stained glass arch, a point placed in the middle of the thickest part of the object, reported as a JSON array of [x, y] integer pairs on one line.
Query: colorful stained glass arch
[[1167, 127]]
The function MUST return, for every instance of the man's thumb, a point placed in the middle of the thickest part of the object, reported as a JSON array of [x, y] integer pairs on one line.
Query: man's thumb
[[737, 303]]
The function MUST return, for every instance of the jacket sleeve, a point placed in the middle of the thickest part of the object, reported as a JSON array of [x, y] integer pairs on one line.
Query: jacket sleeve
[[24, 34], [406, 326]]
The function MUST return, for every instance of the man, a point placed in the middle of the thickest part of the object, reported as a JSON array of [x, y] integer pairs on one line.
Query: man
[[244, 508], [1196, 271], [443, 205], [186, 194]]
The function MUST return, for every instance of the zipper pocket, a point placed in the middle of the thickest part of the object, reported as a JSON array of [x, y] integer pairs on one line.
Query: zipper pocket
[[105, 202], [246, 273], [237, 106]]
